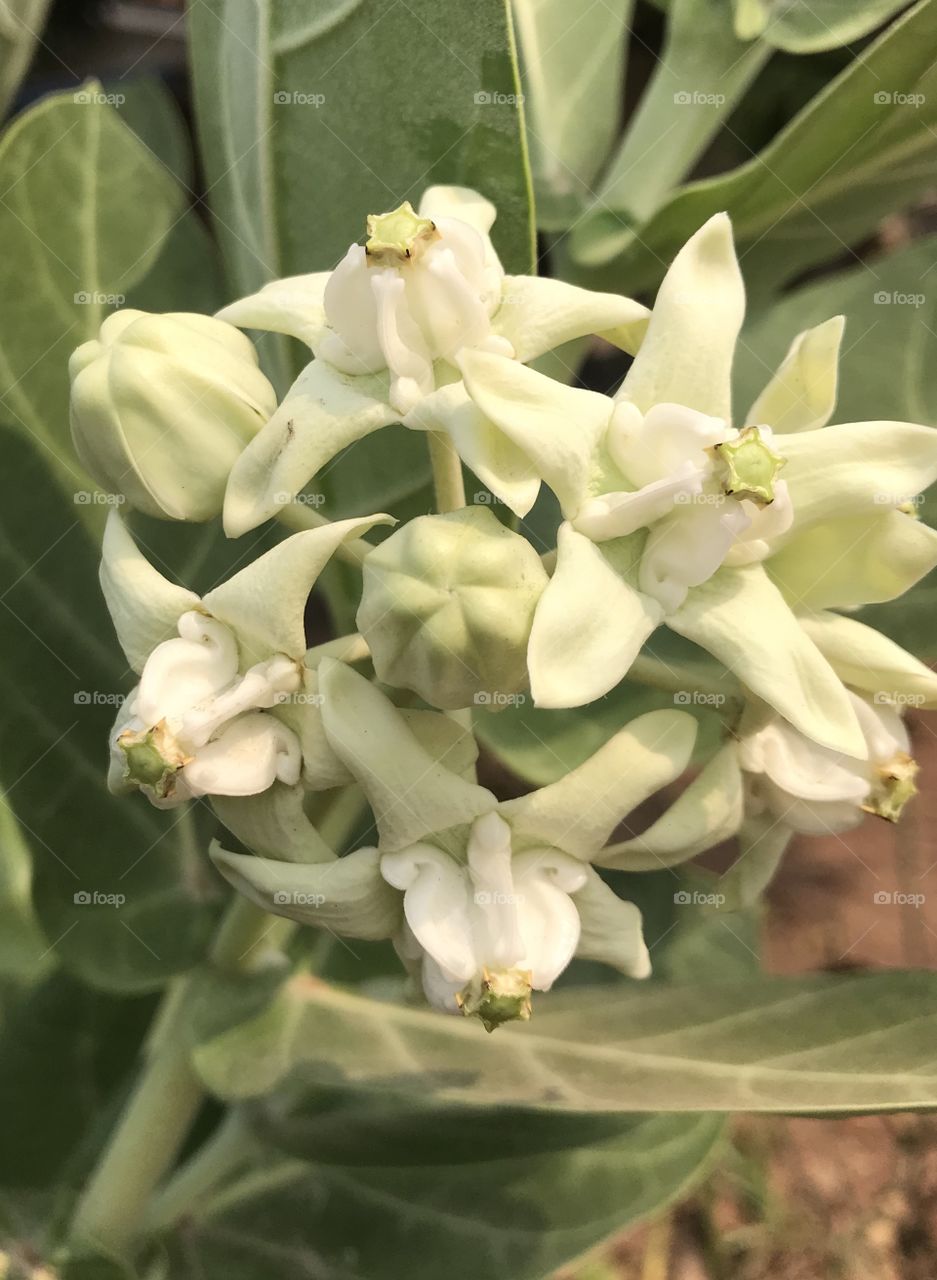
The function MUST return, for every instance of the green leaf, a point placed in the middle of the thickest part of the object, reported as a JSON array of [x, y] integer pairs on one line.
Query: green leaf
[[864, 147], [478, 1196], [24, 952], [810, 26], [84, 216], [817, 1044], [21, 23], [572, 63], [312, 118], [887, 372]]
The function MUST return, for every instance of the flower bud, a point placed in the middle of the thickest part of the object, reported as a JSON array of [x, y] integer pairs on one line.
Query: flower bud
[[161, 407], [447, 608]]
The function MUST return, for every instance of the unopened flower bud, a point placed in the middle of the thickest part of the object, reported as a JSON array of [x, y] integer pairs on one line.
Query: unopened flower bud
[[447, 607], [161, 407]]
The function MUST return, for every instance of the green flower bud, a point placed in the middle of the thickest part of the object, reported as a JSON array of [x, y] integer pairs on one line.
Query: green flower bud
[[161, 407], [447, 607]]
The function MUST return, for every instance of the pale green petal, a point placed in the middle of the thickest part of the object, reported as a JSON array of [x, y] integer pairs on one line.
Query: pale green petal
[[293, 306], [855, 560], [412, 794], [611, 929], [144, 606], [867, 660], [589, 626], [856, 467], [322, 769], [539, 314], [273, 824], [708, 812], [762, 843], [802, 394], [497, 462], [741, 618], [322, 413], [445, 738], [347, 896], [686, 357], [578, 813], [559, 428], [265, 603]]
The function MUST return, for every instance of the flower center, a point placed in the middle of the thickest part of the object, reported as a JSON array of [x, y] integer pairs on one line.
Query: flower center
[[398, 237], [750, 467]]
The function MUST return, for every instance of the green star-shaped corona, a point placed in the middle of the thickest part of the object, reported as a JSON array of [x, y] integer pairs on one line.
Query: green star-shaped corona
[[751, 467], [151, 759], [894, 786], [498, 998], [398, 237]]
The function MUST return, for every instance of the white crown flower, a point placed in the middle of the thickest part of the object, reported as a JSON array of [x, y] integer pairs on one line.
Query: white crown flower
[[386, 327], [673, 515], [225, 705], [488, 900]]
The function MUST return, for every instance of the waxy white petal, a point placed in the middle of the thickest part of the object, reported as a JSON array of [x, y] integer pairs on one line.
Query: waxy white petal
[[612, 931], [538, 314], [864, 658], [190, 669], [801, 396], [589, 626], [469, 206], [547, 917], [247, 756], [292, 306], [686, 355], [436, 902]]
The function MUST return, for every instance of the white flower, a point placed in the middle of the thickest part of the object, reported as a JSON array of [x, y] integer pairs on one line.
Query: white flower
[[815, 791], [418, 291], [193, 726], [488, 901], [387, 327]]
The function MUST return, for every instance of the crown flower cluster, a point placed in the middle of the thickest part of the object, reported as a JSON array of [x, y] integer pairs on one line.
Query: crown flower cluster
[[754, 535]]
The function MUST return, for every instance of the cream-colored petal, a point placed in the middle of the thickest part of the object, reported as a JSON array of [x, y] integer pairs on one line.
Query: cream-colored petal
[[801, 395], [588, 628], [686, 355], [347, 896], [538, 314], [708, 812], [741, 618], [265, 603], [579, 812], [292, 306], [458, 202], [245, 758], [867, 660], [323, 412], [144, 606], [274, 824], [612, 929]]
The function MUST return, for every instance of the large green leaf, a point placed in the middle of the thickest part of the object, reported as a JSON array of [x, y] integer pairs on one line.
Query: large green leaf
[[313, 116], [833, 1045], [21, 23], [572, 62], [862, 148], [480, 1196]]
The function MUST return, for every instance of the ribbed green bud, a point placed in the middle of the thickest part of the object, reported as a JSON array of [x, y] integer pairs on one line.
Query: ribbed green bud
[[447, 607], [162, 406]]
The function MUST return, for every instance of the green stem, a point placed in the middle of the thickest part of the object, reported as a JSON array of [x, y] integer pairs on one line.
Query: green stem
[[228, 1149], [162, 1108], [447, 473]]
